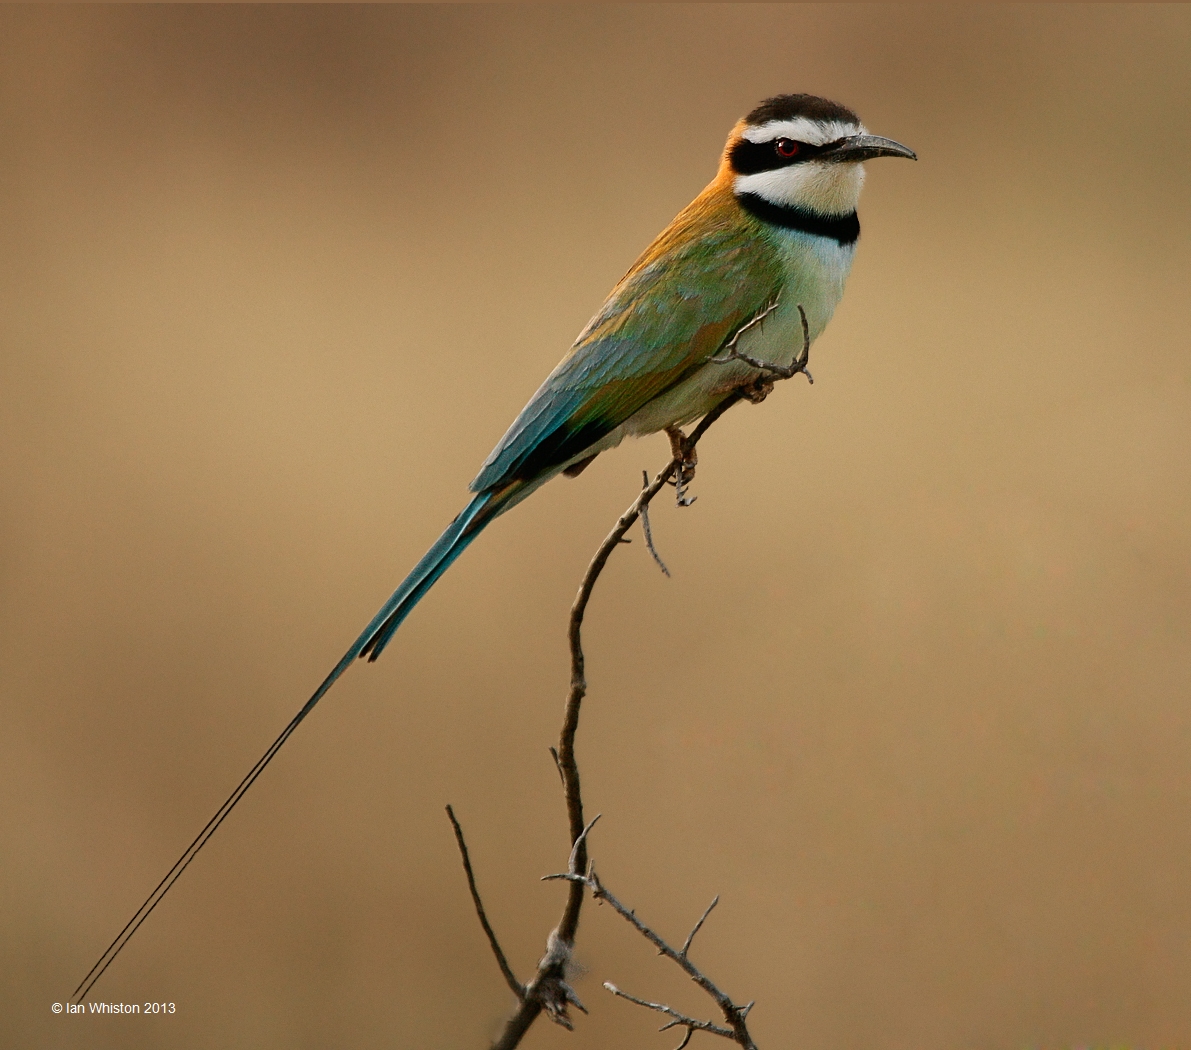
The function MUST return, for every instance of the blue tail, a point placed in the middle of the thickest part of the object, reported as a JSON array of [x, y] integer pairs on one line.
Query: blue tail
[[453, 542]]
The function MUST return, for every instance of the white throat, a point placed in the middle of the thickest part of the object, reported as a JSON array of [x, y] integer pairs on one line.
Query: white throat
[[819, 186]]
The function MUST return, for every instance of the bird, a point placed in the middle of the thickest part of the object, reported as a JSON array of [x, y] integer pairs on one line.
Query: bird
[[774, 233], [756, 263]]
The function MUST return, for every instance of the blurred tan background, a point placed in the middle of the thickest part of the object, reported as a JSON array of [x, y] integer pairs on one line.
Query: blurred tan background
[[916, 701]]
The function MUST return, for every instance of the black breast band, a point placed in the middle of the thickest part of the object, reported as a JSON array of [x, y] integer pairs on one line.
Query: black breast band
[[842, 228]]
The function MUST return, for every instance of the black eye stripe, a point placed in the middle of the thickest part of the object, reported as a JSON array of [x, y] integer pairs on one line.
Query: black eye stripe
[[749, 158]]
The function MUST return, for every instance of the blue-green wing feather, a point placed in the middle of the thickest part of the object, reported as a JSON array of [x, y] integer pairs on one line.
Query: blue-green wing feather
[[673, 310]]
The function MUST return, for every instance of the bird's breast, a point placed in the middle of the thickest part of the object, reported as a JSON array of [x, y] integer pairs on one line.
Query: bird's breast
[[815, 271]]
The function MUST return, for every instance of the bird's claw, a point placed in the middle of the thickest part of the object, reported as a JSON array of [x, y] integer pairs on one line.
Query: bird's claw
[[682, 478], [757, 390]]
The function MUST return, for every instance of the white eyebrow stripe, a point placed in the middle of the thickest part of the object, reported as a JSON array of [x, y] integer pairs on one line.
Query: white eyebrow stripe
[[802, 129]]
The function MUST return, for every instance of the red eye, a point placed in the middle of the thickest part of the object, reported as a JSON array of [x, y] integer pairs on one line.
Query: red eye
[[786, 148]]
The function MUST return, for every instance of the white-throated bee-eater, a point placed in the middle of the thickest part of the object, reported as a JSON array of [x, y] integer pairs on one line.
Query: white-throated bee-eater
[[773, 234]]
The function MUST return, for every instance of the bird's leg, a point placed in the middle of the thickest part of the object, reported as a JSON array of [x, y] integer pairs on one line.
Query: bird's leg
[[687, 460], [678, 447]]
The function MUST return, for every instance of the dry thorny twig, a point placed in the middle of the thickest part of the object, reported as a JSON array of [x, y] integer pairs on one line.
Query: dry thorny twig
[[548, 990], [735, 1015]]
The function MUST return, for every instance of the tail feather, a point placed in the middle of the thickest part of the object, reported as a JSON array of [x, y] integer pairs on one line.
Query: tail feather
[[458, 535], [454, 541]]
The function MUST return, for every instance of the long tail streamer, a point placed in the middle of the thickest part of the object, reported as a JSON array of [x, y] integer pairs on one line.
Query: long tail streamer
[[458, 535]]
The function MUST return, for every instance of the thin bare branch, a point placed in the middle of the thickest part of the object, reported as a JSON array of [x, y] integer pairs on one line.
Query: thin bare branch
[[698, 926], [733, 1014], [730, 345], [510, 978], [548, 989], [647, 530], [580, 844], [691, 1023]]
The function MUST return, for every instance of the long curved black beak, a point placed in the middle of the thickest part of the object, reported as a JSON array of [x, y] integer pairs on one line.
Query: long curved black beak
[[865, 147]]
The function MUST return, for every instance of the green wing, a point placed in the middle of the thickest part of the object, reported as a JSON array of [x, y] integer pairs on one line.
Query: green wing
[[683, 299]]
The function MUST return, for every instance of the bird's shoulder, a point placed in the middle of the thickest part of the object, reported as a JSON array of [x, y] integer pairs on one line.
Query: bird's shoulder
[[712, 263], [706, 274]]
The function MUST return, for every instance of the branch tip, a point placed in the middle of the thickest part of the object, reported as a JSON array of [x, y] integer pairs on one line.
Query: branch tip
[[506, 970], [698, 926], [648, 532]]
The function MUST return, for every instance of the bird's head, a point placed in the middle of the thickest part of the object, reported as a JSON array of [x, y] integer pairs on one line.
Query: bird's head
[[801, 151]]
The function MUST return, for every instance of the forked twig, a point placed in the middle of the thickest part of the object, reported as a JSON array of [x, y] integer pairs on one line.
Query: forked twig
[[692, 1024], [783, 371], [729, 348], [734, 1015]]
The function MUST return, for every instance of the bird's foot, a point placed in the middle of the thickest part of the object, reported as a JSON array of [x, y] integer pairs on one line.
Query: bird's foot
[[687, 461], [756, 390]]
